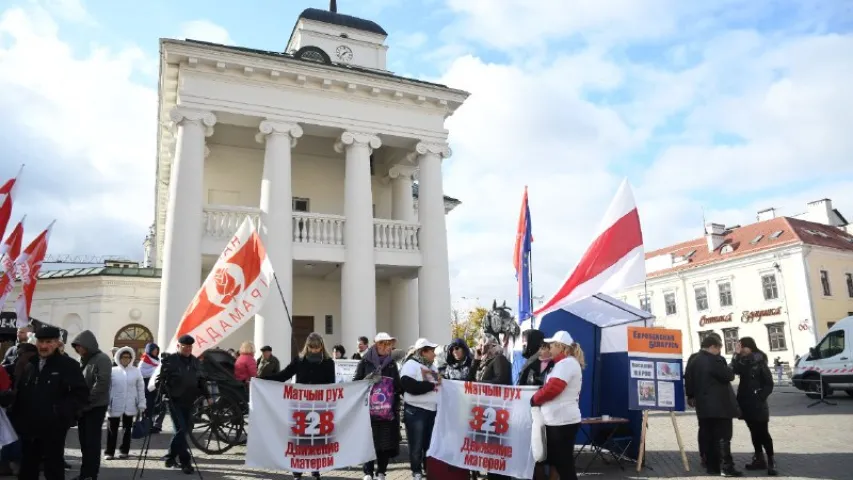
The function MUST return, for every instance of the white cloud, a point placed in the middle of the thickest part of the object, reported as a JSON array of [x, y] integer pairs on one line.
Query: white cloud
[[84, 128], [786, 99], [71, 10], [207, 31]]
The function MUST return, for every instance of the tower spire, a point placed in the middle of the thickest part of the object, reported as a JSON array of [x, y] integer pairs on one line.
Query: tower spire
[[333, 6]]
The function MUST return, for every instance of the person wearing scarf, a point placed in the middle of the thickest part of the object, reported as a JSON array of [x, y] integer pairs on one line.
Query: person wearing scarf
[[490, 365], [420, 382], [377, 362], [756, 384], [459, 360]]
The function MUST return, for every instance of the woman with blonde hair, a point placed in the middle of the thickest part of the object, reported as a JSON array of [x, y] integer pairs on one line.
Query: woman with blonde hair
[[246, 368], [559, 399], [313, 366]]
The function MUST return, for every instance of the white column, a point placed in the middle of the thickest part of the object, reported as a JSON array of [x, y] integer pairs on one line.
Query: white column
[[184, 229], [276, 229], [434, 274], [358, 275], [404, 291]]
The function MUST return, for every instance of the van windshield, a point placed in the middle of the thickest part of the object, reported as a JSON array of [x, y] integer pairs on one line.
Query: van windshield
[[831, 345]]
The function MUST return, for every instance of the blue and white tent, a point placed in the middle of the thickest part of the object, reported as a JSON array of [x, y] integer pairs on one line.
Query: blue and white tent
[[600, 325]]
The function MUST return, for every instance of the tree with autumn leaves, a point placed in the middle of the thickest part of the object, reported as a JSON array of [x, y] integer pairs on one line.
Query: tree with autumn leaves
[[468, 325]]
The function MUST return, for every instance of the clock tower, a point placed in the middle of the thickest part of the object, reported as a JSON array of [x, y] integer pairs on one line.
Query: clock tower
[[329, 37]]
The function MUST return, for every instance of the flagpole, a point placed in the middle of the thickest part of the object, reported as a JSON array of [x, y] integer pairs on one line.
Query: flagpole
[[530, 273], [281, 293]]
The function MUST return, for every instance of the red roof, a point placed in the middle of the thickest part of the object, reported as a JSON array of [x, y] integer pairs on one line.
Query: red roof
[[751, 239]]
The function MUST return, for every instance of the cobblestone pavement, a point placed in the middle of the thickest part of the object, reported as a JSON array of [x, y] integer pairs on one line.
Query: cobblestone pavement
[[811, 443]]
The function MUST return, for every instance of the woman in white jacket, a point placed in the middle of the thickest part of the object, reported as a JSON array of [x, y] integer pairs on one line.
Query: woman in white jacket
[[127, 399]]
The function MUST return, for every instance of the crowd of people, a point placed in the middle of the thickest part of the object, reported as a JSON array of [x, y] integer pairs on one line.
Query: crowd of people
[[707, 382]]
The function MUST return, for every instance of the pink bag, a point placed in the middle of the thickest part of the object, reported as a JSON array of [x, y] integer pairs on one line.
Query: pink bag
[[382, 399]]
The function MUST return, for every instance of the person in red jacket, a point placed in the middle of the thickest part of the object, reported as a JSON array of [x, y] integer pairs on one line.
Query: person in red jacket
[[245, 368], [560, 402]]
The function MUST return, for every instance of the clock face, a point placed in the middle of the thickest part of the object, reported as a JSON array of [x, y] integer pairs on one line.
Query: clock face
[[344, 53]]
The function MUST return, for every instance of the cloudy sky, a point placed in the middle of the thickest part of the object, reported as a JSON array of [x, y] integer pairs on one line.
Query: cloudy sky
[[729, 108]]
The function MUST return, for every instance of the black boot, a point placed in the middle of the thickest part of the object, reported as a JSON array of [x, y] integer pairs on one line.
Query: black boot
[[728, 469], [757, 463], [771, 466]]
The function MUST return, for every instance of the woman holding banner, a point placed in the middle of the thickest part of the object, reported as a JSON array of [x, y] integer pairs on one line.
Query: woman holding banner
[[377, 365], [313, 366], [559, 399], [420, 381]]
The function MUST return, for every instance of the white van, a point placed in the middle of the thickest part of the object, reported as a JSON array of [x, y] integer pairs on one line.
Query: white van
[[832, 358]]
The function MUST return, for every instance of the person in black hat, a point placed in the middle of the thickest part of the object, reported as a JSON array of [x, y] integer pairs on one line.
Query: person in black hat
[[268, 364], [51, 393], [181, 380]]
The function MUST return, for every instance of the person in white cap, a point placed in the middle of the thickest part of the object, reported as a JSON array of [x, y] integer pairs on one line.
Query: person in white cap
[[378, 365], [420, 381], [559, 399]]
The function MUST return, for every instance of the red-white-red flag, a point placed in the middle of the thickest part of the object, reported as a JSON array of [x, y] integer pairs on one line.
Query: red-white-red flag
[[28, 265], [614, 261], [7, 197], [9, 251], [234, 291]]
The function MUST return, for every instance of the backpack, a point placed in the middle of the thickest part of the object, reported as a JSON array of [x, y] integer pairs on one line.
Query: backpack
[[382, 399]]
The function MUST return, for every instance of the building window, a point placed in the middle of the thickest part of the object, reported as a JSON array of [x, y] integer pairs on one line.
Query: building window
[[704, 334], [134, 336], [730, 339], [832, 345], [824, 282], [646, 303], [669, 300], [330, 322], [768, 284], [701, 298], [776, 337], [830, 324], [725, 294], [301, 205], [849, 285]]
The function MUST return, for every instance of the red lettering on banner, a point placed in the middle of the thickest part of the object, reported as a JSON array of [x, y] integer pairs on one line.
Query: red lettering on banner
[[247, 306], [312, 463], [334, 394], [486, 463], [213, 334], [469, 445], [489, 420], [263, 282], [294, 450], [236, 315], [302, 395], [313, 423], [256, 293], [225, 325]]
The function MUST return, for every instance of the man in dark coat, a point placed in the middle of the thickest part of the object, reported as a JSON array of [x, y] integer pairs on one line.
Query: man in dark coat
[[268, 364], [691, 401], [11, 355], [180, 379], [710, 384], [50, 393], [97, 370]]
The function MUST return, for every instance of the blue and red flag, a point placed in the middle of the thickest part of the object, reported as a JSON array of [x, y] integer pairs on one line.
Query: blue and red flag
[[521, 260]]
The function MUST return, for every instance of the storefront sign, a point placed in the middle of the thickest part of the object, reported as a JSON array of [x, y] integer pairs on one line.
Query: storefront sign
[[757, 315], [705, 320]]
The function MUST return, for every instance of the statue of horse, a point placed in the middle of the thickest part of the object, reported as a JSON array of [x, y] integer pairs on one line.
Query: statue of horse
[[500, 322]]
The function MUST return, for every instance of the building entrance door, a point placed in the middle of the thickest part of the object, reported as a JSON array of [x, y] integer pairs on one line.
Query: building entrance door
[[302, 327]]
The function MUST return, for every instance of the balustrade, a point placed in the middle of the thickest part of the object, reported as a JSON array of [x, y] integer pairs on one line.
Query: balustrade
[[395, 235], [318, 229]]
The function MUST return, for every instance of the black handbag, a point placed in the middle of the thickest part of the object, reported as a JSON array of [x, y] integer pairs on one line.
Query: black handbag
[[141, 427]]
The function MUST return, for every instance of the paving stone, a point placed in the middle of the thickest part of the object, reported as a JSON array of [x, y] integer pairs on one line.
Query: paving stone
[[811, 443]]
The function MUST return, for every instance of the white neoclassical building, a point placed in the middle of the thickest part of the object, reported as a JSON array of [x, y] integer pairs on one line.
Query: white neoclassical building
[[320, 145]]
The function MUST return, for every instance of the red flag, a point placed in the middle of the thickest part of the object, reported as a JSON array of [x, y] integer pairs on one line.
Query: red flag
[[9, 251], [7, 194], [28, 265]]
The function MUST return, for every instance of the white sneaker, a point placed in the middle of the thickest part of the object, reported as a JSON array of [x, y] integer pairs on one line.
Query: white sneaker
[[380, 476], [109, 457], [417, 476], [368, 477]]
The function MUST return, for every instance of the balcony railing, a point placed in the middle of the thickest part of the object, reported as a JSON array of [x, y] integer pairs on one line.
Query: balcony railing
[[221, 221], [318, 229], [395, 235]]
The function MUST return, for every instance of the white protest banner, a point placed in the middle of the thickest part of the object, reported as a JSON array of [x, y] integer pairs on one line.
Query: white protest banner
[[308, 428], [345, 370], [234, 291], [498, 426]]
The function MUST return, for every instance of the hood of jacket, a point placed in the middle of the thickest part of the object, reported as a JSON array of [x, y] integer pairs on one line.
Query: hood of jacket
[[119, 353], [87, 340], [451, 360], [149, 349], [535, 339]]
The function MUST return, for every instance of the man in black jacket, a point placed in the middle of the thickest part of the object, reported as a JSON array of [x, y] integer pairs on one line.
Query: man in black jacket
[[181, 380], [12, 353], [50, 394], [709, 381], [691, 401]]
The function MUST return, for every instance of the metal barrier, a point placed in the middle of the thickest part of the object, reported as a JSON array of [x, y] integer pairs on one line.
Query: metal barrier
[[820, 389]]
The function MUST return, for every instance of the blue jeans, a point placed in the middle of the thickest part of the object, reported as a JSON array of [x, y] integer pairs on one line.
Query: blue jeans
[[182, 419], [419, 423]]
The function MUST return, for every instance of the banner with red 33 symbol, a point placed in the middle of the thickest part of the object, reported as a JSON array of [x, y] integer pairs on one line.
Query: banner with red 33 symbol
[[308, 428], [497, 437]]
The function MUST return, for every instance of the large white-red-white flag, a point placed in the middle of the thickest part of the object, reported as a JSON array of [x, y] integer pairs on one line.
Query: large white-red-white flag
[[28, 265], [9, 251], [234, 291], [614, 261], [7, 196]]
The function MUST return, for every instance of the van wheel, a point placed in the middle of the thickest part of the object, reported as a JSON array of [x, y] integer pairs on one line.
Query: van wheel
[[814, 387]]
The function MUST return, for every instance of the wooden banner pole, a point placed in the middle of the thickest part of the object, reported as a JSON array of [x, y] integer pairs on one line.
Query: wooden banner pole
[[680, 443], [643, 441]]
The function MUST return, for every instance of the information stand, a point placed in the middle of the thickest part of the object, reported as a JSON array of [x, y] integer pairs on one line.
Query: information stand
[[656, 380]]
